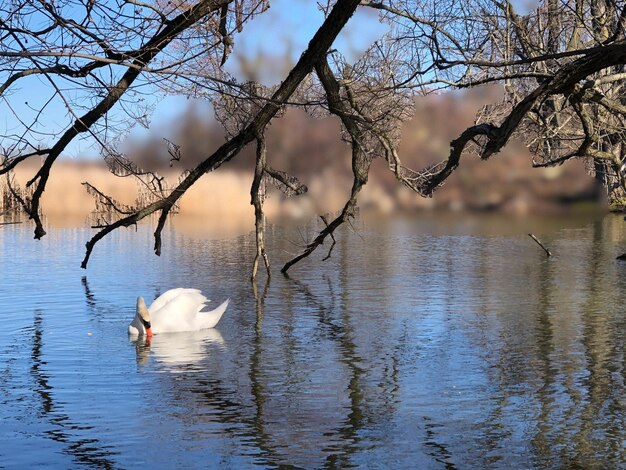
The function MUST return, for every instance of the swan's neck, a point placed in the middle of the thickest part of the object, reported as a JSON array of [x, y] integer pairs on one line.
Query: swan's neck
[[144, 316]]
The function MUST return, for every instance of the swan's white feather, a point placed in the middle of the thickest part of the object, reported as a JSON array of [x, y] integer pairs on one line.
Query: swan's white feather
[[171, 294], [179, 310]]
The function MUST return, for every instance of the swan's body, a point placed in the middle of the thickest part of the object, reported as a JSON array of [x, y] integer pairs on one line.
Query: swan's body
[[176, 310]]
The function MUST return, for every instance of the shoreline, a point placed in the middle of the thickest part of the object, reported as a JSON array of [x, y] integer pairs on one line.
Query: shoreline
[[220, 201]]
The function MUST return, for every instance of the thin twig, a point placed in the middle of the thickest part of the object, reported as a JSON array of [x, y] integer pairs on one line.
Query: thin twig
[[331, 236], [540, 244]]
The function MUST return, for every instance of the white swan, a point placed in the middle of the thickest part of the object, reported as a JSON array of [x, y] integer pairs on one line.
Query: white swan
[[176, 310]]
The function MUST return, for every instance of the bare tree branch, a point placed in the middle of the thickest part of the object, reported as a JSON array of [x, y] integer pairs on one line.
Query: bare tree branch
[[82, 124], [563, 82], [360, 163], [318, 46]]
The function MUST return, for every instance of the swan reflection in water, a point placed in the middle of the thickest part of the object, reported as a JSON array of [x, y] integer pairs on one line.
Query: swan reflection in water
[[177, 350]]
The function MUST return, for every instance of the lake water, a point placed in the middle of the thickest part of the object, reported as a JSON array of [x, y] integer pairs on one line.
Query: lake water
[[421, 343]]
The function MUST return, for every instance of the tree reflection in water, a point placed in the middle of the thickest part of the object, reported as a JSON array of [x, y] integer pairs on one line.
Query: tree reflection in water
[[454, 351], [89, 451]]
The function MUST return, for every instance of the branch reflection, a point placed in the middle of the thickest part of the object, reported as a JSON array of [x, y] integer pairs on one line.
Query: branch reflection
[[87, 451]]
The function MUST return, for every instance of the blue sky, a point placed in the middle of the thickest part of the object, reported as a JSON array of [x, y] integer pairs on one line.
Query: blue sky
[[285, 29]]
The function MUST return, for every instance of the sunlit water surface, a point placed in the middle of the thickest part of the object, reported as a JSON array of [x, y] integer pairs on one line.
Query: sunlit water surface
[[421, 343]]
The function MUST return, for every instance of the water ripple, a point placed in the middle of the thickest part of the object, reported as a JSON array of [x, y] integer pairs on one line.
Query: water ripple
[[408, 348]]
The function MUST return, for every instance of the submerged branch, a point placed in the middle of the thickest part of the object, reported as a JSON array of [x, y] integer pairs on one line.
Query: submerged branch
[[540, 244], [257, 194], [360, 162], [332, 237]]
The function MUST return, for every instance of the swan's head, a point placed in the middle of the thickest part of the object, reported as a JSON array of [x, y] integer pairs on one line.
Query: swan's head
[[141, 323]]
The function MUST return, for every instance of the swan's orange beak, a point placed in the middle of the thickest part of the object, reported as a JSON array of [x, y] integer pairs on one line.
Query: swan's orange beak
[[148, 326]]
